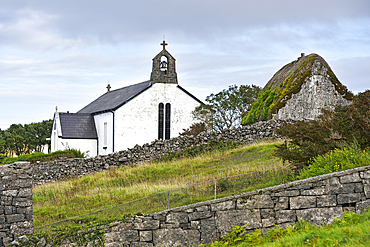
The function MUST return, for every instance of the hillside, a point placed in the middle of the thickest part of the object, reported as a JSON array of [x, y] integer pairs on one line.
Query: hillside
[[309, 75]]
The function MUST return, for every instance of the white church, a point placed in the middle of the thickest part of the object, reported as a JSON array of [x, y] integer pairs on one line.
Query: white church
[[119, 119]]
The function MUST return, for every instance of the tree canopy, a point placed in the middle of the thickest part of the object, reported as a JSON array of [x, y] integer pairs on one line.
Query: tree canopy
[[226, 108], [22, 139]]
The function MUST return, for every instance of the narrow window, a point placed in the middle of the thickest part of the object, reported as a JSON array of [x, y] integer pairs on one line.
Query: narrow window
[[55, 141], [105, 134], [168, 121], [160, 121]]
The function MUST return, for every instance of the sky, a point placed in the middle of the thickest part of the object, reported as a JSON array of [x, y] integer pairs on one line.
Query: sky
[[64, 53]]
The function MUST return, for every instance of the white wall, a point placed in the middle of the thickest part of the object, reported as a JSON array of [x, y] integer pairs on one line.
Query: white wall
[[56, 131], [88, 146], [136, 122], [99, 123]]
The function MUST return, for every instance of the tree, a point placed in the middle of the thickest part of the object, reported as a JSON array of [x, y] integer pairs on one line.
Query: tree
[[37, 133], [226, 108], [333, 129]]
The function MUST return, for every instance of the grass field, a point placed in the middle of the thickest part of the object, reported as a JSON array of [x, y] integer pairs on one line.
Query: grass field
[[56, 201]]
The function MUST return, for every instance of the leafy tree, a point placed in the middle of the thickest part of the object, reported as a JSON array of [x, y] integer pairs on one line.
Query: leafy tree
[[37, 133], [337, 129], [15, 141], [194, 130], [226, 108]]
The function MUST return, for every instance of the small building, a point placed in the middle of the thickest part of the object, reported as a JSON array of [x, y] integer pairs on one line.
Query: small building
[[137, 114]]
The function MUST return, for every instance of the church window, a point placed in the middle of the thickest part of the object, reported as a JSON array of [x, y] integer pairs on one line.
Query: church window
[[168, 121], [160, 121], [164, 63], [105, 134]]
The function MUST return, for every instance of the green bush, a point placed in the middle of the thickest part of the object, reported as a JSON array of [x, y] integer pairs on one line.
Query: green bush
[[336, 160], [332, 130], [37, 156]]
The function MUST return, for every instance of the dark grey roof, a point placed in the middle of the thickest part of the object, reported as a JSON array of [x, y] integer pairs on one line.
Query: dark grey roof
[[77, 126], [116, 98]]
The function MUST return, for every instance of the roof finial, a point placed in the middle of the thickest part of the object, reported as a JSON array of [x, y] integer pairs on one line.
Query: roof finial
[[164, 44], [56, 108], [108, 87]]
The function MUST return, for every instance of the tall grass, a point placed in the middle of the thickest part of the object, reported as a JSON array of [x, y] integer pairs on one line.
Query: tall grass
[[66, 199]]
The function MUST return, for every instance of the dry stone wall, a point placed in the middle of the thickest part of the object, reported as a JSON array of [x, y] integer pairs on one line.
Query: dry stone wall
[[62, 169], [318, 200], [16, 214]]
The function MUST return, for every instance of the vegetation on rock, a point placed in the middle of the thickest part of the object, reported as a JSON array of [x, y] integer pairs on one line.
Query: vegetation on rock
[[286, 82]]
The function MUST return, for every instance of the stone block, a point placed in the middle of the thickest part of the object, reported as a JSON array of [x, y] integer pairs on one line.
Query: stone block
[[147, 225], [139, 244], [12, 193], [9, 210], [146, 236], [268, 222], [175, 237], [2, 219], [128, 236], [208, 231], [227, 205], [348, 198], [367, 190], [267, 213], [25, 192], [259, 201], [300, 202], [365, 174], [326, 201], [285, 216], [22, 202], [227, 219], [200, 215], [282, 203], [6, 200], [340, 189], [351, 178], [177, 217], [359, 188], [14, 218], [320, 216], [362, 206], [314, 192], [202, 208], [195, 225], [287, 193]]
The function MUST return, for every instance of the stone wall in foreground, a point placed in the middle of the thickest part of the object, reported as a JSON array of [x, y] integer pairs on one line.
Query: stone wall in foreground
[[16, 214], [62, 169], [318, 200]]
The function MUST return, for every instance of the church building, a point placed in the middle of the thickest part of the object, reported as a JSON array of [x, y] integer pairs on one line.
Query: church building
[[119, 119]]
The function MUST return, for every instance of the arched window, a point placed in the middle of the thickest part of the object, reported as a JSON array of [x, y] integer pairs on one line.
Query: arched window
[[160, 121], [168, 121], [164, 63]]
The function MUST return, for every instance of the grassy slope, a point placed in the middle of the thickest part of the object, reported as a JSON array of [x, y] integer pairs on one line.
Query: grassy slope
[[74, 197]]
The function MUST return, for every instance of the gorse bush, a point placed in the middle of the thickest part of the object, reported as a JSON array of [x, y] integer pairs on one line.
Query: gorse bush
[[332, 130], [336, 160]]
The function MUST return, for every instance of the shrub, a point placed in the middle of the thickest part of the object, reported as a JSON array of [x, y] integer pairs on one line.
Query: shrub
[[332, 130], [336, 160]]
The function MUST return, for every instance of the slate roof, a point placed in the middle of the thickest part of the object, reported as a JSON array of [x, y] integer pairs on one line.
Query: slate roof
[[115, 98], [77, 126]]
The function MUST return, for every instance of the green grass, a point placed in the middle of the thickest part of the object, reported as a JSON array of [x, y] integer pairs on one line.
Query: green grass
[[57, 201], [352, 230]]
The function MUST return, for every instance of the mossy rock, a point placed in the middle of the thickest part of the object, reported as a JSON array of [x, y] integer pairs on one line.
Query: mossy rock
[[286, 82]]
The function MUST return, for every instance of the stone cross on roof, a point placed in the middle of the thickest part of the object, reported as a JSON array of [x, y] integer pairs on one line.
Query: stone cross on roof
[[164, 44], [108, 87]]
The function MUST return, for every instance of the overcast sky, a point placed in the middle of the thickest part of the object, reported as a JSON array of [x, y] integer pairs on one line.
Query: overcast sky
[[63, 53]]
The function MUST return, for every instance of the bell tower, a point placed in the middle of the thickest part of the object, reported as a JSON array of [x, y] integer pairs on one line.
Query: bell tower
[[164, 70]]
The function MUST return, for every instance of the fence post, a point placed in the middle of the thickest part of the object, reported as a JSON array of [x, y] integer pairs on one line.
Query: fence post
[[168, 199], [215, 187]]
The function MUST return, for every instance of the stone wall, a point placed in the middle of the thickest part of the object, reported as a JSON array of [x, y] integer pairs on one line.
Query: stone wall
[[62, 169], [16, 214], [318, 200]]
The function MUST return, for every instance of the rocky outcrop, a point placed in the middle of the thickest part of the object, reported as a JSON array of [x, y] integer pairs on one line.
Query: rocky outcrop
[[299, 91]]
